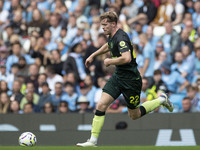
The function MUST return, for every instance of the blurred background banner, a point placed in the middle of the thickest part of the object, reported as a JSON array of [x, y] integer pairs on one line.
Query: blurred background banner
[[66, 129]]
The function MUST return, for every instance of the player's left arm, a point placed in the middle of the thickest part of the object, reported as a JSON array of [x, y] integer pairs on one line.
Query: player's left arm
[[125, 58], [124, 50]]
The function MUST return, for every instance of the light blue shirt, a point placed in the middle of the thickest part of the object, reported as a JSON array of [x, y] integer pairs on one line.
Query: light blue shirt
[[197, 65], [90, 95], [79, 63], [149, 53], [14, 59], [166, 43], [173, 81], [140, 60], [51, 46], [43, 5], [71, 100], [55, 33], [196, 19]]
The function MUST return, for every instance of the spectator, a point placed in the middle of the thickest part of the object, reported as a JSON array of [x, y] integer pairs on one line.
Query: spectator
[[56, 61], [70, 96], [4, 103], [45, 96], [192, 93], [140, 58], [4, 87], [43, 5], [3, 14], [148, 10], [83, 103], [85, 91], [95, 28], [195, 15], [185, 40], [48, 108], [33, 75], [96, 68], [30, 96], [4, 52], [175, 11], [161, 15], [17, 24], [16, 94], [13, 75], [37, 22], [14, 107], [181, 66], [41, 79], [151, 37], [3, 73], [157, 86], [23, 66], [129, 10], [189, 6], [72, 28], [32, 6], [6, 35], [187, 106], [55, 26], [173, 79], [14, 58], [189, 26], [52, 78], [63, 107], [74, 62], [79, 34], [171, 39], [197, 63], [162, 57], [92, 89], [188, 56], [57, 97], [149, 56], [71, 77], [49, 43], [28, 108]]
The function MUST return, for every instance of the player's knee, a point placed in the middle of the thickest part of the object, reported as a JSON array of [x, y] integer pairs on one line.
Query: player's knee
[[102, 107]]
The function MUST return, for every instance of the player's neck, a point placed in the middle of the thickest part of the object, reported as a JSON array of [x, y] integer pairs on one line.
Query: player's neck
[[114, 31]]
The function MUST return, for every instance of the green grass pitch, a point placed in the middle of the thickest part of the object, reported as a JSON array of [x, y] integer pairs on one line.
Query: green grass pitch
[[101, 148]]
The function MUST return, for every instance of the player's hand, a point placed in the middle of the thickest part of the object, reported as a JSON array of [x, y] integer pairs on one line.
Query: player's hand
[[107, 62], [88, 61]]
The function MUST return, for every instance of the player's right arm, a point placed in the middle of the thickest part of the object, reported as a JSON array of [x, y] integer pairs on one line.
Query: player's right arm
[[104, 49]]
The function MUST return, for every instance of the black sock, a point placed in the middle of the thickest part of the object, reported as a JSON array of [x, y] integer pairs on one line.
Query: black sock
[[99, 113], [142, 110]]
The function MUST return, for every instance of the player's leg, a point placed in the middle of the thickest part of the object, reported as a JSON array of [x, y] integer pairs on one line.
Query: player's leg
[[131, 91], [149, 106], [98, 120], [110, 93], [99, 117]]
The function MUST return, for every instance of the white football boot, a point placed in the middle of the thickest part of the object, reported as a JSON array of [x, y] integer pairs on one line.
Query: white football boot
[[167, 102], [86, 144]]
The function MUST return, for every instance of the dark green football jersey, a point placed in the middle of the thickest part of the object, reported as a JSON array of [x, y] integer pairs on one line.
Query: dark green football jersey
[[118, 44]]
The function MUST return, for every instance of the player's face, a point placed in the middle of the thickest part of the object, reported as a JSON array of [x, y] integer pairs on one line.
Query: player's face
[[107, 27]]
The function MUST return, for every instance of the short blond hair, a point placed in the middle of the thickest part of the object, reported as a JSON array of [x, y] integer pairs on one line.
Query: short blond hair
[[111, 16]]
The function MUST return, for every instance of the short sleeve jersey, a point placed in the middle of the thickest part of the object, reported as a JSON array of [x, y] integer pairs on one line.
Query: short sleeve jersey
[[118, 44]]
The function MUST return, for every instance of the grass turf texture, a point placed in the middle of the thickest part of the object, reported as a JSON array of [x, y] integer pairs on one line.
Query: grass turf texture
[[101, 148]]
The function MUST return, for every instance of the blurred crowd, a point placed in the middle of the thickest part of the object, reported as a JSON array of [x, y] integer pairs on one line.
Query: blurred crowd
[[44, 44]]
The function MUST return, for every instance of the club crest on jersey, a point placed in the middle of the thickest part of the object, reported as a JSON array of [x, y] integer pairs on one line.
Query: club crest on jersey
[[122, 43]]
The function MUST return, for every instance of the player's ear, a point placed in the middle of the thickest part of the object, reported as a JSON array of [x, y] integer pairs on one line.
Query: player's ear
[[113, 24]]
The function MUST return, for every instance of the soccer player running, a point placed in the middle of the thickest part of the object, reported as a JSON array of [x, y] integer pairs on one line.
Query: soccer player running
[[126, 78]]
